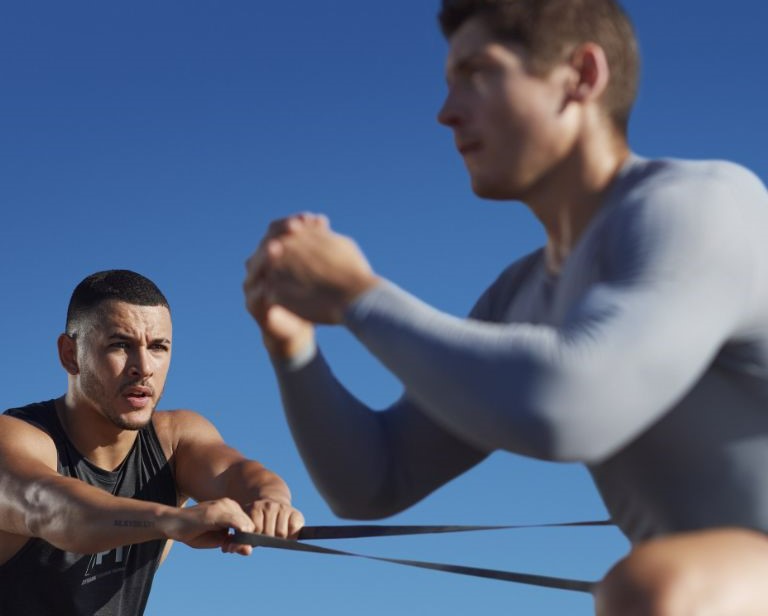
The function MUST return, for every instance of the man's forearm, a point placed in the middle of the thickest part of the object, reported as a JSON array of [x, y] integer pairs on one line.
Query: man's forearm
[[76, 517], [249, 481]]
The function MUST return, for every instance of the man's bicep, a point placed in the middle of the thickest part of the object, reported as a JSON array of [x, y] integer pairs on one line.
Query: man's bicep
[[680, 278], [650, 300], [678, 289], [202, 457]]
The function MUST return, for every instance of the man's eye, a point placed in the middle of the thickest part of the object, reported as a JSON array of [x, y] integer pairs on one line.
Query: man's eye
[[159, 347], [471, 76], [118, 345]]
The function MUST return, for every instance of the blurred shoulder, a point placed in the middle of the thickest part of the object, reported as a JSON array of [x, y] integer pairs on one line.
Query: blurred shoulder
[[684, 197], [664, 179]]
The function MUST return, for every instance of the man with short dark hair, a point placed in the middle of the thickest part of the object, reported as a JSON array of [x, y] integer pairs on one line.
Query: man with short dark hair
[[92, 484], [635, 341]]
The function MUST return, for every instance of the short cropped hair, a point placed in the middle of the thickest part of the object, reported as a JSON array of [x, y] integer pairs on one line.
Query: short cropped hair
[[120, 285], [549, 30]]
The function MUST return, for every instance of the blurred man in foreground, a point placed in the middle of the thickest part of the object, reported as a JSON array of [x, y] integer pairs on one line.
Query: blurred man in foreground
[[635, 341]]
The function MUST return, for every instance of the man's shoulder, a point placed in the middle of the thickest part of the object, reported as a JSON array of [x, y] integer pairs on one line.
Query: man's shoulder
[[676, 176], [27, 429], [41, 415], [651, 194], [175, 416], [32, 409], [173, 425]]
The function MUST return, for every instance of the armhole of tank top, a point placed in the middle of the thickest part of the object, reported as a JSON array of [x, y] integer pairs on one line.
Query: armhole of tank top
[[153, 441]]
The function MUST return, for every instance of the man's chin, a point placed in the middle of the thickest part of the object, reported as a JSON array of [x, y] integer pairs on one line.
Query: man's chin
[[131, 426], [133, 421], [494, 191]]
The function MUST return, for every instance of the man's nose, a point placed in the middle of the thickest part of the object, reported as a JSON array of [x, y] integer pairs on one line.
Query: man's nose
[[449, 114], [141, 363]]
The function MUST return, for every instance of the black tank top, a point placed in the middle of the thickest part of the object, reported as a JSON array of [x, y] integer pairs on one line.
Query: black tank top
[[41, 580]]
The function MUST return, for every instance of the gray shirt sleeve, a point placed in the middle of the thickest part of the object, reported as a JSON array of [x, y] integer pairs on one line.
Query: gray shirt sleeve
[[668, 272], [365, 463], [676, 279]]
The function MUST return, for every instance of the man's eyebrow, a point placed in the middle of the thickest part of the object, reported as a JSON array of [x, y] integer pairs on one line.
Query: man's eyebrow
[[118, 335], [464, 62]]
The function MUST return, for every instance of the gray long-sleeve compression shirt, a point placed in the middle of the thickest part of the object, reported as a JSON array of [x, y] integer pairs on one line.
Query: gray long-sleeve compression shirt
[[646, 358]]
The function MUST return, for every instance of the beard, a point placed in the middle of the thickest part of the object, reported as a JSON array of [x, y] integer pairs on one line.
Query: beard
[[94, 389]]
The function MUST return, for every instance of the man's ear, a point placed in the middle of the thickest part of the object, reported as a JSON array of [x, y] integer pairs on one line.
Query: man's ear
[[591, 72], [68, 353]]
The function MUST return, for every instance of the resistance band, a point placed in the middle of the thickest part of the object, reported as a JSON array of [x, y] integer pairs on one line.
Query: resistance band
[[367, 530]]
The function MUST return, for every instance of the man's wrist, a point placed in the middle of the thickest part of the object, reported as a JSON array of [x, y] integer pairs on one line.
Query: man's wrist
[[360, 288], [295, 355], [367, 283], [167, 520]]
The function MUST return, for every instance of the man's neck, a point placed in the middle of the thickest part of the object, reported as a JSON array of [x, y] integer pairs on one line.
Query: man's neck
[[571, 196], [95, 437]]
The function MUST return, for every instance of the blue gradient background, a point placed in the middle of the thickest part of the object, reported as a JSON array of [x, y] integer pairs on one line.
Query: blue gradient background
[[164, 136]]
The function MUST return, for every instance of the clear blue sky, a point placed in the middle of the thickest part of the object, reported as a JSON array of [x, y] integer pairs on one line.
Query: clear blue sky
[[164, 136]]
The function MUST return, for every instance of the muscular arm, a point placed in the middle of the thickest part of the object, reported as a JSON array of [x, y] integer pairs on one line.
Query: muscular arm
[[678, 281], [672, 269], [207, 468], [366, 464], [35, 501]]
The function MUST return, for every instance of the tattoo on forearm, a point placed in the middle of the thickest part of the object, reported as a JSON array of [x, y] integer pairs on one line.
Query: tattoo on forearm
[[135, 523]]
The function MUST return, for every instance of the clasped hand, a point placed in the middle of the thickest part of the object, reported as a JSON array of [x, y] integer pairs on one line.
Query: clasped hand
[[302, 272]]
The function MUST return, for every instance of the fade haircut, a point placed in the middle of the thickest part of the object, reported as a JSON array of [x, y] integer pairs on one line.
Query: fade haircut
[[549, 30], [119, 285]]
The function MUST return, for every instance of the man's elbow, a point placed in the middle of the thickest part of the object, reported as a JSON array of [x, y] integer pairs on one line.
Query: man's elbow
[[374, 509], [393, 496]]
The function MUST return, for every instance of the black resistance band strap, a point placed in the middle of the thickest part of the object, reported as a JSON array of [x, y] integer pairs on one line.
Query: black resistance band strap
[[356, 531]]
